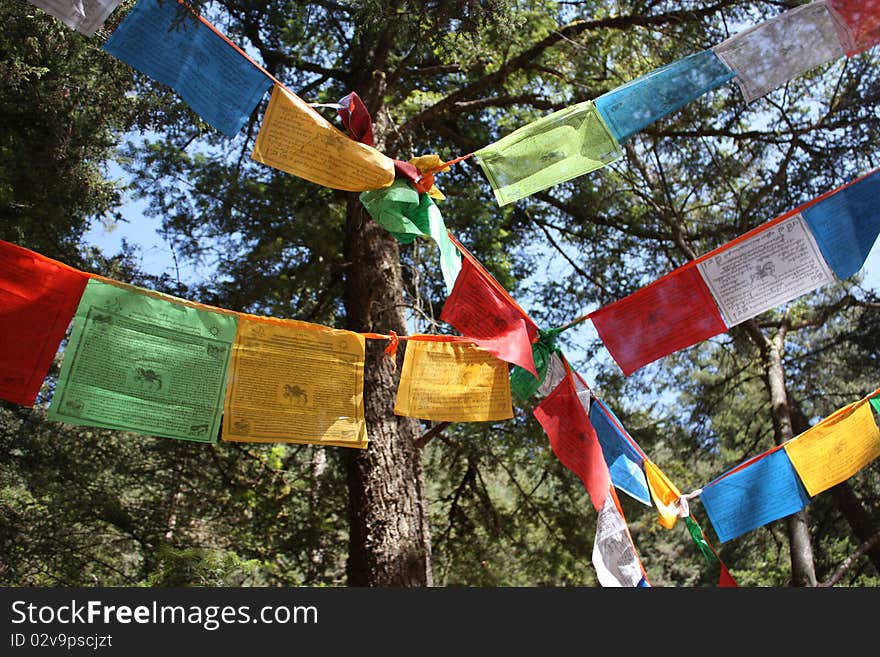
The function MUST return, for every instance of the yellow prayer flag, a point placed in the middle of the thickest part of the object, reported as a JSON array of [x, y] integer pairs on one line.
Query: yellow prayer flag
[[296, 139], [836, 448], [452, 382], [295, 382], [664, 493]]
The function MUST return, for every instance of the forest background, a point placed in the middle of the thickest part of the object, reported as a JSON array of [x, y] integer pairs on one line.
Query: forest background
[[90, 143]]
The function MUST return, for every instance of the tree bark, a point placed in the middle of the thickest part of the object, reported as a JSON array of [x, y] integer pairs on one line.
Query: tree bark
[[389, 542], [803, 569]]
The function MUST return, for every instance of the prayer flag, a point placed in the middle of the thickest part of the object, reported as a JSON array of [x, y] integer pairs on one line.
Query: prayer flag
[[631, 108], [861, 19], [623, 456], [406, 214], [764, 269], [836, 448], [573, 439], [875, 403], [296, 139], [846, 224], [144, 362], [356, 118], [673, 312], [38, 298], [777, 50], [725, 579], [614, 554], [172, 45], [556, 148], [481, 310], [452, 381], [295, 382], [755, 493], [84, 16], [664, 493]]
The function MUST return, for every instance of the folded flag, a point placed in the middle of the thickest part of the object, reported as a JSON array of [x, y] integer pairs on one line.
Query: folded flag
[[144, 362], [614, 556], [573, 439], [846, 223], [38, 298], [782, 48], [169, 43], [836, 448], [673, 312], [295, 139], [664, 493], [757, 492], [623, 456], [84, 16], [481, 310], [452, 381], [556, 148], [634, 106], [295, 382], [356, 118], [861, 19]]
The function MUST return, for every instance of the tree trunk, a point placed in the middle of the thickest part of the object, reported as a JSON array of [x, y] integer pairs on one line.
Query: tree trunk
[[803, 570], [389, 542]]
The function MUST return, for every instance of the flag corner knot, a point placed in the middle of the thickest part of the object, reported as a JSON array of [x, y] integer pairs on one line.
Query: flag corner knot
[[391, 349], [682, 506]]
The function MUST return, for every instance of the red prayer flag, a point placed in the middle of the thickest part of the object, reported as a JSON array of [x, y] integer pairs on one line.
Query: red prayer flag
[[574, 440], [38, 298], [356, 119], [484, 312], [673, 312], [862, 18], [726, 579]]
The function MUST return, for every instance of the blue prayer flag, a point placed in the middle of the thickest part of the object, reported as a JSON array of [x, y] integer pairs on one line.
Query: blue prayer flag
[[749, 496], [623, 459], [846, 224], [637, 104], [172, 46]]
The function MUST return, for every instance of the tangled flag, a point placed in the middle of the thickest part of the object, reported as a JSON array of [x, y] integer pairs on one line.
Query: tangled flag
[[485, 313], [38, 298], [452, 382], [172, 45], [84, 16], [145, 363], [274, 395], [295, 139]]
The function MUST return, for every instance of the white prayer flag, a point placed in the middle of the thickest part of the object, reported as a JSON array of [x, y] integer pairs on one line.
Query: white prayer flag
[[614, 555], [84, 16], [771, 53]]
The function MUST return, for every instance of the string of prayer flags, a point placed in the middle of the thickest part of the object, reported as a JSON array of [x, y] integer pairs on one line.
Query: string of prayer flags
[[777, 50], [481, 310], [634, 106], [664, 493], [836, 448], [861, 21], [296, 139], [452, 381], [274, 395], [407, 214], [765, 268], [146, 363], [558, 147], [38, 298], [574, 440], [169, 43], [624, 457], [725, 579], [84, 16], [356, 118], [763, 489], [845, 224], [673, 312], [614, 555]]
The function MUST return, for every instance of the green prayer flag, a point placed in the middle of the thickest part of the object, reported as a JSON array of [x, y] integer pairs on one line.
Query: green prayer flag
[[697, 534], [144, 363], [522, 383], [558, 147], [875, 403], [406, 214]]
